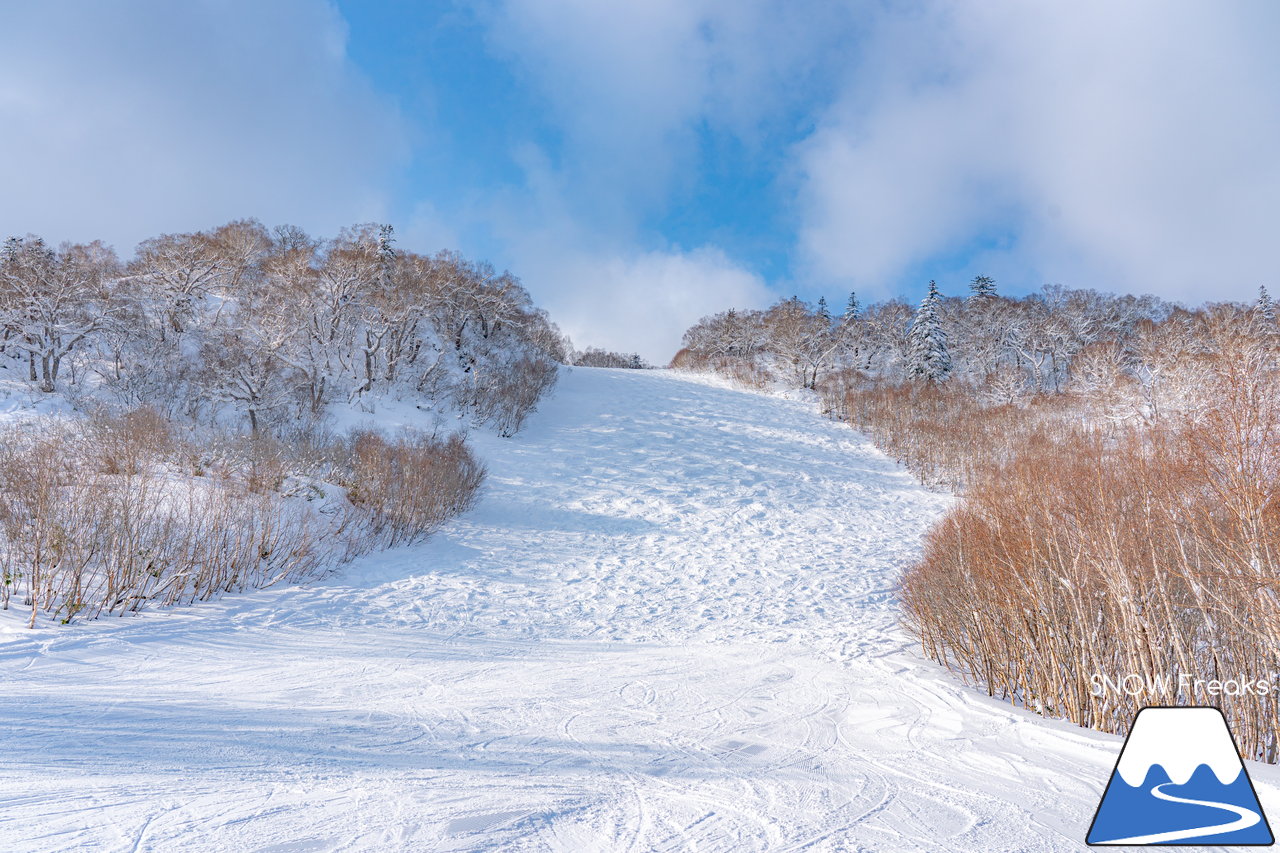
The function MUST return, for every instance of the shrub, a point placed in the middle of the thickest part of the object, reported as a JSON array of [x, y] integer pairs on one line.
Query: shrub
[[947, 436], [741, 372], [505, 399], [121, 444], [79, 541], [1150, 551], [108, 515], [412, 484]]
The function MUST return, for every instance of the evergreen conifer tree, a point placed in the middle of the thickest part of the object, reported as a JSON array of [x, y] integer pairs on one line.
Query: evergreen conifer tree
[[386, 254], [983, 287], [1266, 306], [853, 309], [386, 237], [927, 341]]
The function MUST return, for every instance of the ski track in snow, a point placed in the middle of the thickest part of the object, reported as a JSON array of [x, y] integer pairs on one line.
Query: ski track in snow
[[669, 625]]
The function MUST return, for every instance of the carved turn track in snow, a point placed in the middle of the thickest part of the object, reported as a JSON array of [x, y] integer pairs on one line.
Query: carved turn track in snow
[[669, 625]]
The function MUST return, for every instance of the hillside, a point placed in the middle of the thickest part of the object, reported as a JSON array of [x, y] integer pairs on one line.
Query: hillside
[[668, 625]]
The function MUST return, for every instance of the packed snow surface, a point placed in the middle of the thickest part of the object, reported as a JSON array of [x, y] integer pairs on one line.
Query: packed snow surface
[[669, 625]]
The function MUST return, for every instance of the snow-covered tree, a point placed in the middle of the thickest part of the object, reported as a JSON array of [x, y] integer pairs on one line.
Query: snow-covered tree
[[982, 287], [386, 244], [180, 275], [274, 324], [801, 339], [853, 308], [927, 340], [1266, 307], [732, 333], [51, 301]]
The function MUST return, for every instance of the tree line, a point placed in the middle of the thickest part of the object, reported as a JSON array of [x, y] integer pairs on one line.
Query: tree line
[[273, 325], [1006, 347]]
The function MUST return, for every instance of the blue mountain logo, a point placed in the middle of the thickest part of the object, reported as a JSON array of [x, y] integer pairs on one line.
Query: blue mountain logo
[[1180, 780]]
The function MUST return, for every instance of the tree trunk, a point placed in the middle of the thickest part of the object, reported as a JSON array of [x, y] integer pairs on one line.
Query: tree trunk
[[47, 373]]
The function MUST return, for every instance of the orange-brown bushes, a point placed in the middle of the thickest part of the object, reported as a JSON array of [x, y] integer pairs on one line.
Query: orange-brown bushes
[[113, 513], [687, 359], [412, 484], [77, 540], [742, 372], [947, 436], [122, 444], [1153, 552]]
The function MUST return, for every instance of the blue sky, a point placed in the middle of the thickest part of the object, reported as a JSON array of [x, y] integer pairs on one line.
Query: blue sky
[[479, 114], [639, 165]]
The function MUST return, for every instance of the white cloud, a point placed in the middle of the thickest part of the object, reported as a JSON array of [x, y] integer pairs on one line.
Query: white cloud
[[428, 230], [599, 288], [1127, 146], [623, 80], [640, 302], [630, 86], [127, 119]]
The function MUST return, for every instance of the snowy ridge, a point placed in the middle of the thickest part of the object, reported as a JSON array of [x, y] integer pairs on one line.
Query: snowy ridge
[[669, 625], [1198, 736]]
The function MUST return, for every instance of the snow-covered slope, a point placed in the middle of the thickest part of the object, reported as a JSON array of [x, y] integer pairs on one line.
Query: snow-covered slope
[[668, 626]]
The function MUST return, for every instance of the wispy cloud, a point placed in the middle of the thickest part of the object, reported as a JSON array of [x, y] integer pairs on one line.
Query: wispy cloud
[[632, 91]]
